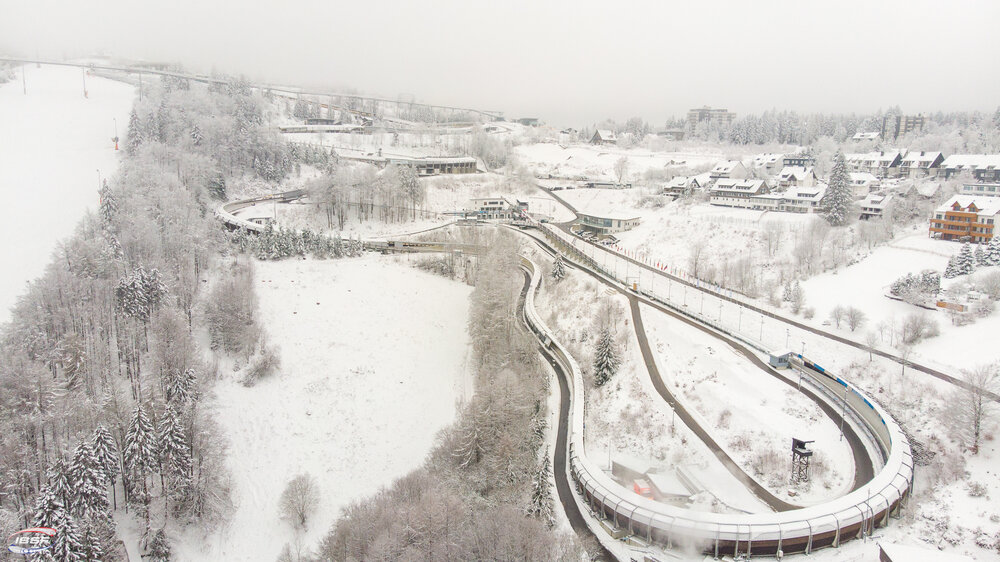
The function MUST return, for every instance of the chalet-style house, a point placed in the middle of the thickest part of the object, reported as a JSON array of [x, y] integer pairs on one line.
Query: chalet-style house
[[737, 192], [604, 136], [863, 183]]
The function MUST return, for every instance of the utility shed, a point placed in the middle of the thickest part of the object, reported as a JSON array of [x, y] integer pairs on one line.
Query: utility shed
[[667, 486], [628, 468]]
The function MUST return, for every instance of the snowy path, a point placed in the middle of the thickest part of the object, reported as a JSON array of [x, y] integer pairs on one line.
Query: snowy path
[[53, 141], [373, 360]]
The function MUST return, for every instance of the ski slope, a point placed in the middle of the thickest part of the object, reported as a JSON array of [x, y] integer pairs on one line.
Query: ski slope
[[53, 141]]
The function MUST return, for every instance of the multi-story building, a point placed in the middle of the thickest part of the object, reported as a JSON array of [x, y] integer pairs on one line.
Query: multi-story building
[[494, 208], [863, 183], [895, 125], [981, 189], [983, 167], [716, 116], [608, 222], [882, 164], [920, 164], [737, 193], [801, 159], [803, 199], [966, 218]]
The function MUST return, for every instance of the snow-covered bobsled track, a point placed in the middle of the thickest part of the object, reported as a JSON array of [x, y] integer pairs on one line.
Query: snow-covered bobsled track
[[854, 515]]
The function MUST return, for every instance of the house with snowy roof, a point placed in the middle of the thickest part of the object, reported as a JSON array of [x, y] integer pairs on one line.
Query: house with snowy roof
[[881, 164], [729, 169], [683, 185], [873, 206], [983, 167], [920, 164], [737, 192], [966, 218], [769, 162], [604, 136], [981, 189], [804, 199], [863, 183], [795, 176], [873, 136]]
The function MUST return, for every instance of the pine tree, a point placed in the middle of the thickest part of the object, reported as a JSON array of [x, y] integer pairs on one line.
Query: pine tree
[[92, 545], [991, 256], [159, 548], [979, 255], [951, 271], [180, 386], [838, 193], [140, 444], [606, 360], [60, 483], [48, 504], [135, 134], [965, 262], [90, 498], [67, 546], [541, 494], [175, 455], [558, 268], [106, 453]]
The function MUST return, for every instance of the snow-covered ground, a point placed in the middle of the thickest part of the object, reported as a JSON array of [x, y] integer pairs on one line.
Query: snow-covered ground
[[598, 162], [627, 417], [53, 142], [373, 359], [757, 427]]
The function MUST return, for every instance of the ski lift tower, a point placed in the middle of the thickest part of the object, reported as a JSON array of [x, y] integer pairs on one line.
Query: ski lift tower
[[801, 456]]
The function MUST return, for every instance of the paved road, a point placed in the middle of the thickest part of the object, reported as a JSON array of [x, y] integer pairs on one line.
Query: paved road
[[559, 468]]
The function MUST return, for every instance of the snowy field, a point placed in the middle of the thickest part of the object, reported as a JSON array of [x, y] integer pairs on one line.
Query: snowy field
[[53, 141], [627, 417], [749, 412], [372, 366], [598, 162]]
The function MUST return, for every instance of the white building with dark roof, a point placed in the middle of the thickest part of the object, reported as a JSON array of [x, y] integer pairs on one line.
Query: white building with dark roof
[[983, 167], [604, 136], [920, 164], [881, 164]]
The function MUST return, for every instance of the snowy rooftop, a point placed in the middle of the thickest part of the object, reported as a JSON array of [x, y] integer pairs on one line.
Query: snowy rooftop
[[920, 158], [749, 186], [906, 553], [815, 193], [875, 201], [862, 177], [972, 161], [766, 159], [727, 166], [985, 205], [866, 136], [613, 214], [883, 157], [796, 173]]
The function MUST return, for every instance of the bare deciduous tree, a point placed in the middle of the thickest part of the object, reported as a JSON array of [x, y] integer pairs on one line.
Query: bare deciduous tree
[[974, 404], [855, 318], [837, 315], [299, 500], [621, 168], [696, 258]]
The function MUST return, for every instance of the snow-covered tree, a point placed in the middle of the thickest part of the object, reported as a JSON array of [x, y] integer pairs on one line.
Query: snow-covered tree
[[139, 293], [90, 497], [606, 360], [92, 545], [965, 262], [541, 505], [979, 255], [159, 548], [180, 385], [106, 452], [991, 255], [48, 505], [140, 443], [558, 268], [838, 193], [951, 270], [136, 134], [67, 545], [175, 455]]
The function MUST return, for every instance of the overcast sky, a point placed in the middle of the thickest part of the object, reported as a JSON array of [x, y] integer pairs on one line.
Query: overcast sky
[[570, 63]]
